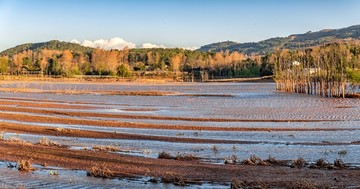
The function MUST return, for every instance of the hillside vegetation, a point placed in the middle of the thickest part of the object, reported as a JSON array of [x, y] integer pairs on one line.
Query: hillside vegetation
[[50, 45], [295, 41]]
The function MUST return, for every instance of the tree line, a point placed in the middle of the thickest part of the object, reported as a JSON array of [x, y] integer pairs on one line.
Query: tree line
[[125, 62], [325, 70], [330, 70]]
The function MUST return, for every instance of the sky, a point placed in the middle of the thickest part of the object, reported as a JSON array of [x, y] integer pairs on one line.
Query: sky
[[167, 23]]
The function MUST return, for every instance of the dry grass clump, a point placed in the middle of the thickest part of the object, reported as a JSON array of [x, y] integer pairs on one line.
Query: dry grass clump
[[2, 136], [321, 163], [15, 139], [62, 130], [342, 153], [254, 160], [339, 163], [100, 171], [299, 162], [165, 155], [106, 148], [47, 142], [146, 151], [215, 149], [154, 180], [172, 178], [237, 184], [186, 157], [25, 165], [179, 156], [274, 161], [59, 129], [231, 160]]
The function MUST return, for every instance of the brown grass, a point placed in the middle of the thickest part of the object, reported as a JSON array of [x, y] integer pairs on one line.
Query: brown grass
[[339, 163], [106, 148], [179, 156], [46, 142], [2, 135], [274, 161], [299, 162], [186, 157], [321, 163], [25, 165], [16, 139], [231, 160], [100, 171], [172, 178], [254, 160], [165, 155], [237, 184]]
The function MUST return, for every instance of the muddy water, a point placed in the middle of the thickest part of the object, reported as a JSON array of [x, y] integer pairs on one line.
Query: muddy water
[[249, 101], [41, 178]]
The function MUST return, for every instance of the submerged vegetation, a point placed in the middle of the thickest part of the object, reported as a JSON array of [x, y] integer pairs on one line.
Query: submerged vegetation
[[331, 70], [25, 165], [101, 171]]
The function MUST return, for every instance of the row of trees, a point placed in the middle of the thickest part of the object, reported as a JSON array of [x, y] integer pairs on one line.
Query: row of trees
[[331, 70], [124, 62], [66, 63]]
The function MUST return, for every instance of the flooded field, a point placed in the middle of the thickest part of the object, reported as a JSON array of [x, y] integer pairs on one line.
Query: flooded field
[[210, 121]]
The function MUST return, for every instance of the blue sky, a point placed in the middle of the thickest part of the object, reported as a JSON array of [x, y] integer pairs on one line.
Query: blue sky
[[171, 23]]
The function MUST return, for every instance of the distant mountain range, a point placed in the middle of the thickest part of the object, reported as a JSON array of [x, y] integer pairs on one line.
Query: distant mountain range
[[294, 41]]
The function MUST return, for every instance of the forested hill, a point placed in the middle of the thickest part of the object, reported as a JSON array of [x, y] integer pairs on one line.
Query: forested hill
[[294, 41], [50, 45]]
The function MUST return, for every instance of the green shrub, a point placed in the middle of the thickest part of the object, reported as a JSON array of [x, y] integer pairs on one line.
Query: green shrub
[[354, 76]]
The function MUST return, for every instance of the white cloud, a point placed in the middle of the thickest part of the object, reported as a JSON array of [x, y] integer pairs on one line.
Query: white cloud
[[108, 44], [191, 48], [75, 41], [150, 45], [118, 43]]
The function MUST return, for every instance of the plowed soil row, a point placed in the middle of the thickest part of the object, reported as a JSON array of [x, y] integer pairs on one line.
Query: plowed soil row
[[174, 170]]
